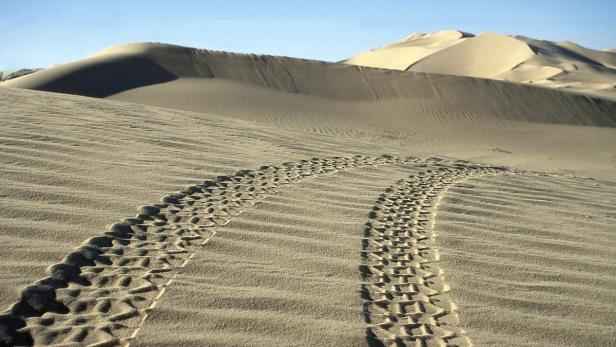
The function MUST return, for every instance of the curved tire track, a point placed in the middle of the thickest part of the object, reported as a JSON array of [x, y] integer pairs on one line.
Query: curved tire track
[[100, 294], [404, 291]]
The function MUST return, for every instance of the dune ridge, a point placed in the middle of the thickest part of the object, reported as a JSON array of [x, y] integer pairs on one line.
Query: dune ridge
[[191, 79], [560, 65], [10, 74]]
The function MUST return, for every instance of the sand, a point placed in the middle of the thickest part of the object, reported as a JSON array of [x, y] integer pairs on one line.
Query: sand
[[560, 65], [524, 254], [7, 75], [194, 197]]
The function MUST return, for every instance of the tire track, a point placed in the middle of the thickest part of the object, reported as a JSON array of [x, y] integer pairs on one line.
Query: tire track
[[404, 290], [100, 294]]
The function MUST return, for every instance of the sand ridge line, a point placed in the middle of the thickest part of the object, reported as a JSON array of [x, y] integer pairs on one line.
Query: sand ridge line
[[404, 290], [100, 294]]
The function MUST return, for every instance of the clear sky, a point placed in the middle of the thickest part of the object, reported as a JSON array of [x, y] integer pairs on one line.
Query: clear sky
[[41, 33]]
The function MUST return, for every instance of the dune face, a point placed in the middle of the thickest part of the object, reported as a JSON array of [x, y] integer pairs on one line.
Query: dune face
[[194, 80], [100, 76], [401, 55], [159, 195], [7, 75], [561, 65], [485, 56]]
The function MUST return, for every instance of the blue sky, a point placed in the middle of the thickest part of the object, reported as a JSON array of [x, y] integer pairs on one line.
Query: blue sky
[[41, 33]]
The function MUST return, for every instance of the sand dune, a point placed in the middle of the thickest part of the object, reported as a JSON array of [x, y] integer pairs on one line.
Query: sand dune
[[561, 65], [192, 197], [10, 74], [191, 79]]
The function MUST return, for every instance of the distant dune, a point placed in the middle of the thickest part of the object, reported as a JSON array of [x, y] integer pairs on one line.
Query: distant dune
[[562, 65], [196, 80], [159, 195], [10, 74]]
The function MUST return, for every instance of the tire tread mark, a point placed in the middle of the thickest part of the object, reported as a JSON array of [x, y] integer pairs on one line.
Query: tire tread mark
[[100, 294], [404, 290]]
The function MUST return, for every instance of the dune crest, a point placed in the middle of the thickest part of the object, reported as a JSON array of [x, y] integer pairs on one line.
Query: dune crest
[[401, 55], [471, 58], [7, 75], [208, 81], [561, 65]]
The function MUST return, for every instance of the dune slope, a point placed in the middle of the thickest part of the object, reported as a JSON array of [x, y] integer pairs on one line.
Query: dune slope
[[189, 79], [560, 65]]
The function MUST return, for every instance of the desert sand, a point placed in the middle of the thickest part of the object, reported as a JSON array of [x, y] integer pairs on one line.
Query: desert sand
[[157, 195], [560, 65]]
